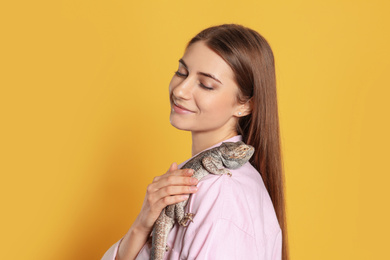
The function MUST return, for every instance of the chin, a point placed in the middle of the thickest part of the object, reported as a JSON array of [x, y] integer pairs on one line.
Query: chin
[[179, 124]]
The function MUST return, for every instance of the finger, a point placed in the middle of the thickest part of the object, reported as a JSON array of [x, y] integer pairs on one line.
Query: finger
[[174, 190], [181, 172], [173, 167], [173, 170], [170, 200], [171, 191], [173, 180]]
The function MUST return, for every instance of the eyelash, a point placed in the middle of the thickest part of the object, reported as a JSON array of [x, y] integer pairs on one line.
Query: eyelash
[[184, 75]]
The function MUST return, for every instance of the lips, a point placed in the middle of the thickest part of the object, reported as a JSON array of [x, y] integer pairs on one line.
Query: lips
[[180, 109]]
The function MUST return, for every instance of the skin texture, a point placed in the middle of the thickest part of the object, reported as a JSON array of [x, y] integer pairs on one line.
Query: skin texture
[[213, 113], [213, 117]]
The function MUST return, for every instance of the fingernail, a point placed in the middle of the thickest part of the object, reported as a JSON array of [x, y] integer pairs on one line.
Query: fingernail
[[184, 197], [193, 188], [190, 171], [194, 180]]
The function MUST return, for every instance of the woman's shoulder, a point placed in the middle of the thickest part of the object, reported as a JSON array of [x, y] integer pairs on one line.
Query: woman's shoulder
[[241, 199], [234, 210]]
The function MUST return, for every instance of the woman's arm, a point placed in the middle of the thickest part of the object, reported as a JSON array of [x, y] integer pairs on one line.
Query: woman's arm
[[167, 189]]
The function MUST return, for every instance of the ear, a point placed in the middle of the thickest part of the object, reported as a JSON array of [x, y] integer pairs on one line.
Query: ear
[[244, 109]]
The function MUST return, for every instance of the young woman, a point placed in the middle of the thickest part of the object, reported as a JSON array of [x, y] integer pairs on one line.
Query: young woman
[[223, 90]]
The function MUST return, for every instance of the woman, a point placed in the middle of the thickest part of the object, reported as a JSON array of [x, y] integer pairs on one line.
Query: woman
[[223, 90]]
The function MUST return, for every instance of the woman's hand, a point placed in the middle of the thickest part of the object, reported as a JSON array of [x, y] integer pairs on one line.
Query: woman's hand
[[170, 188]]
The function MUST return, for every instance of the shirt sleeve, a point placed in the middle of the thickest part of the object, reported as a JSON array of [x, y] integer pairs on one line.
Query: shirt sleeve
[[223, 240], [112, 251], [229, 225], [277, 251]]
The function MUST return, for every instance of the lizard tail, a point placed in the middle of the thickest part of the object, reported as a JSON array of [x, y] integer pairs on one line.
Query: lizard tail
[[159, 236]]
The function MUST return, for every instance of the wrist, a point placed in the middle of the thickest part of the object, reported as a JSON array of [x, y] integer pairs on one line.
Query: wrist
[[132, 242], [139, 229]]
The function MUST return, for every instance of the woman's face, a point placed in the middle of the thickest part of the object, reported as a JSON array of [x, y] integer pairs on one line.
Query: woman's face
[[203, 92]]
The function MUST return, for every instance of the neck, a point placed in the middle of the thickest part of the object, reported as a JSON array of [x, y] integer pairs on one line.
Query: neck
[[204, 140]]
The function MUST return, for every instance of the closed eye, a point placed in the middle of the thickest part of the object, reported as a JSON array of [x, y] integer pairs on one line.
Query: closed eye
[[177, 73], [205, 87], [180, 74]]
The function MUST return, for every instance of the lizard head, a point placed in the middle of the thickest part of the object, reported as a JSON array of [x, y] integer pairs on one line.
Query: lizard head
[[235, 154]]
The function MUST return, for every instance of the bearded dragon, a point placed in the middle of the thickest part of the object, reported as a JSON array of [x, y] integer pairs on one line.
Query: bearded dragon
[[231, 155]]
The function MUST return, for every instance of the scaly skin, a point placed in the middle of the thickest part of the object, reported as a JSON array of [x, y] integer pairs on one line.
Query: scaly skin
[[215, 160]]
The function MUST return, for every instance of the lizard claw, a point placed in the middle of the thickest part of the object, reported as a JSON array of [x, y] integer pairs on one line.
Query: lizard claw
[[187, 217], [229, 173]]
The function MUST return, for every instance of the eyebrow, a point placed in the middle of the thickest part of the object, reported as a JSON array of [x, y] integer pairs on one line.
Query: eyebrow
[[201, 73]]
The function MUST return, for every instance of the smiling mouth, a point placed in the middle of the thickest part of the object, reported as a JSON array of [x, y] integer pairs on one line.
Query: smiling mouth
[[180, 109]]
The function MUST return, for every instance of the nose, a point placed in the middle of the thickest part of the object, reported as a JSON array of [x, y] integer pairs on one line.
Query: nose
[[183, 89]]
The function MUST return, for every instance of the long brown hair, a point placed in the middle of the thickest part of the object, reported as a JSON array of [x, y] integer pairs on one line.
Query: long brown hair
[[252, 61]]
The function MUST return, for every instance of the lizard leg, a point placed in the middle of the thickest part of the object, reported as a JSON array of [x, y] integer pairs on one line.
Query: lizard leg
[[215, 166], [185, 220], [179, 211]]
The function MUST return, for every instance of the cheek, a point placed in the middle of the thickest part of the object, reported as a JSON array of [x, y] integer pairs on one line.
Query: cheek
[[220, 106], [171, 84]]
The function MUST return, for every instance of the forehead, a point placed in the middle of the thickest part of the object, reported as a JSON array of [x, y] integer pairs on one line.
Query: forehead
[[200, 58]]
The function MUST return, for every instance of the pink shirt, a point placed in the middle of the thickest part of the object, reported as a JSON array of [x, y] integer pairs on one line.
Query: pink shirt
[[234, 219]]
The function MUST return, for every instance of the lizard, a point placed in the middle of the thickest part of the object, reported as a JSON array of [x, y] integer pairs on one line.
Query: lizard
[[231, 155]]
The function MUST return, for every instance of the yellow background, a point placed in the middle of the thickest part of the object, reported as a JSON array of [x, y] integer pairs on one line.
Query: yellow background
[[85, 118]]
